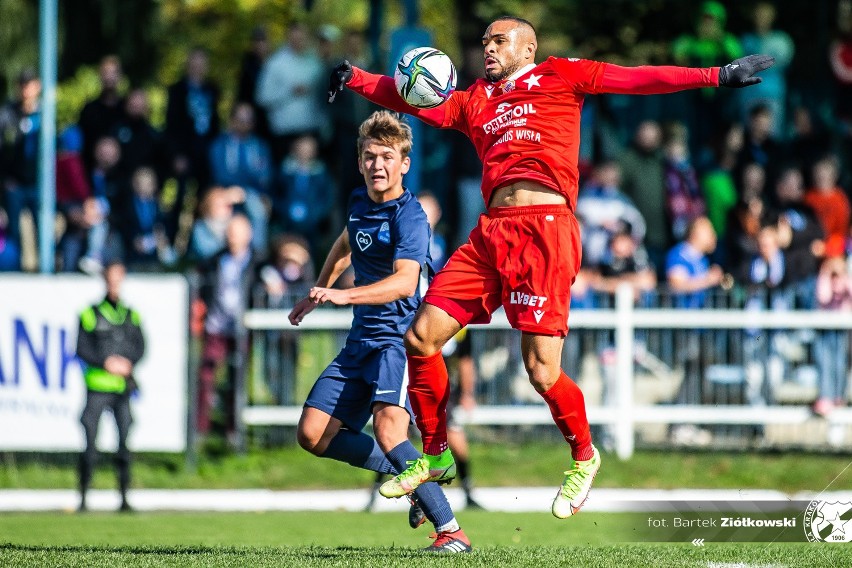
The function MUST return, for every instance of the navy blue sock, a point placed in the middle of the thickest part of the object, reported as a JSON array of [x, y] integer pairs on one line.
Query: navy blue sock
[[429, 495], [360, 450]]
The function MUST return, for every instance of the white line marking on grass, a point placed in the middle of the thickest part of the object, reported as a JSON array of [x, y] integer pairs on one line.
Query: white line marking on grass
[[742, 565]]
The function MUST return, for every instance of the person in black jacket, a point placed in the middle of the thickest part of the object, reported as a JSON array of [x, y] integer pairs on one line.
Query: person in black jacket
[[110, 343], [192, 123], [100, 115], [801, 237], [20, 125]]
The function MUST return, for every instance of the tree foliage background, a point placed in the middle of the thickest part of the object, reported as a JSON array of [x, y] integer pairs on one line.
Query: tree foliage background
[[153, 36]]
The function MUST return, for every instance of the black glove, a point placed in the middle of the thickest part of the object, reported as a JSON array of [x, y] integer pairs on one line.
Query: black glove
[[740, 72], [340, 75]]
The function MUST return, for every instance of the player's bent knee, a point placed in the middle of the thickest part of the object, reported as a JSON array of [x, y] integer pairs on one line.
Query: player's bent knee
[[542, 377], [307, 441], [390, 425], [310, 436], [417, 344]]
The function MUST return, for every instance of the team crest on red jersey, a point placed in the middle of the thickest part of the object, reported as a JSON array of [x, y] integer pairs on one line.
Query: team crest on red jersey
[[508, 86]]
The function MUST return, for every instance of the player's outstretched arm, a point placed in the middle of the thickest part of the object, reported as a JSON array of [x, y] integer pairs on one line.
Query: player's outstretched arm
[[662, 79], [379, 89]]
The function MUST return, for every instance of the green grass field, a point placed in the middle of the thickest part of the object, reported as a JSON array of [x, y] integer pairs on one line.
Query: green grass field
[[532, 464], [365, 540]]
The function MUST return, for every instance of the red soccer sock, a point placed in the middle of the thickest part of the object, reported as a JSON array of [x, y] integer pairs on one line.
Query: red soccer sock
[[568, 408], [428, 388]]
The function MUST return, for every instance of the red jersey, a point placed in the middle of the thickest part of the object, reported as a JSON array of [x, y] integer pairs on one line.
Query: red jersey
[[527, 127]]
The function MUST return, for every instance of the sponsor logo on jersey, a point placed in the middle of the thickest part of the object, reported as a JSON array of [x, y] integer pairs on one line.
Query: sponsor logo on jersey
[[364, 240], [524, 299], [384, 233], [520, 134], [509, 115]]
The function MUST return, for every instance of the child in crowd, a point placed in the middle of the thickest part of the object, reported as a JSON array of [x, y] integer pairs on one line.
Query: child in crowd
[[214, 214], [291, 271], [145, 242]]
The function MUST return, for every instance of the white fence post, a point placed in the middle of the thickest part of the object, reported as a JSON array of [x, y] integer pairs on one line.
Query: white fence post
[[624, 327]]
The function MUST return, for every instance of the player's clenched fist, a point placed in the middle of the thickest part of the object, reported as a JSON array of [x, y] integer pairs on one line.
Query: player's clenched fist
[[302, 308]]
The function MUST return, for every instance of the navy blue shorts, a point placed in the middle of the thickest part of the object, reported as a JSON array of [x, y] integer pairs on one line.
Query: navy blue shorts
[[360, 375]]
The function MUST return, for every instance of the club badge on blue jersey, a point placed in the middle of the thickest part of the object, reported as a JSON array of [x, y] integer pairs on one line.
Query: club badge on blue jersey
[[364, 240], [384, 233]]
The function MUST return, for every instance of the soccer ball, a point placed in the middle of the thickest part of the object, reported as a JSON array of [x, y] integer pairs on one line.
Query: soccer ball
[[425, 77]]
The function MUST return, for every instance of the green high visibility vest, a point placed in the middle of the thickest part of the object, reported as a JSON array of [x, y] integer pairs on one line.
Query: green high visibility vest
[[97, 378]]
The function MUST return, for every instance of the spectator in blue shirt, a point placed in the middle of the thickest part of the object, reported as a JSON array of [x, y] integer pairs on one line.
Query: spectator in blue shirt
[[305, 197], [690, 276], [688, 268], [239, 158]]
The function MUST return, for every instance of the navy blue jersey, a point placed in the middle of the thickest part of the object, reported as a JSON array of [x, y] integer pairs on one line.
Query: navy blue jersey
[[379, 235]]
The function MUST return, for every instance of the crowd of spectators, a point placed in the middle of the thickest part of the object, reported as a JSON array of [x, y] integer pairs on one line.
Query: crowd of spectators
[[709, 189]]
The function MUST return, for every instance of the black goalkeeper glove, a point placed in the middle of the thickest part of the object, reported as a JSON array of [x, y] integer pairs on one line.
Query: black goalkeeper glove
[[740, 72], [340, 75]]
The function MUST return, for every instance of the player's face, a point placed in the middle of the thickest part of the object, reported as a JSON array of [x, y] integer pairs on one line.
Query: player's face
[[382, 167], [507, 47]]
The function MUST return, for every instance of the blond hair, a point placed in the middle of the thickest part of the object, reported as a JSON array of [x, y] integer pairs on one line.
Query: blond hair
[[388, 129]]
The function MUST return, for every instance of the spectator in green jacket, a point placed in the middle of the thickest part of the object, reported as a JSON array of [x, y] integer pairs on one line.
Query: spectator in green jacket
[[710, 45], [109, 343]]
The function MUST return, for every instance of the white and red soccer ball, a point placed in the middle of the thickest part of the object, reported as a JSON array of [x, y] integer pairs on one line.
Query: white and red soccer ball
[[425, 77]]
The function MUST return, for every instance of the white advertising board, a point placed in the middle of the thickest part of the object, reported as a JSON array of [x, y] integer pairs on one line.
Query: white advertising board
[[42, 391]]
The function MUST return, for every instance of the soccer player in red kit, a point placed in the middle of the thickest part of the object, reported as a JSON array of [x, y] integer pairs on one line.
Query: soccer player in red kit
[[524, 120]]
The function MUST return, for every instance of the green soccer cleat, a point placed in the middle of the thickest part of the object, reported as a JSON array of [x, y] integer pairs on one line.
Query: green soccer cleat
[[575, 489], [440, 469]]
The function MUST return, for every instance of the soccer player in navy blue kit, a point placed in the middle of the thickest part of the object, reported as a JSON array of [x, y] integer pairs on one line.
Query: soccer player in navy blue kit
[[386, 240]]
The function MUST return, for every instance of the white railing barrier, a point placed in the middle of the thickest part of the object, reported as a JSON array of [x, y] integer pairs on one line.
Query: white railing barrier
[[625, 414]]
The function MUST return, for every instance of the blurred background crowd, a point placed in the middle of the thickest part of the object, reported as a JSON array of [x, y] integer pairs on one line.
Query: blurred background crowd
[[198, 140], [768, 167]]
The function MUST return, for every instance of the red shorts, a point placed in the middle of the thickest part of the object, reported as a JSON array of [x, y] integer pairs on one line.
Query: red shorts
[[523, 258]]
